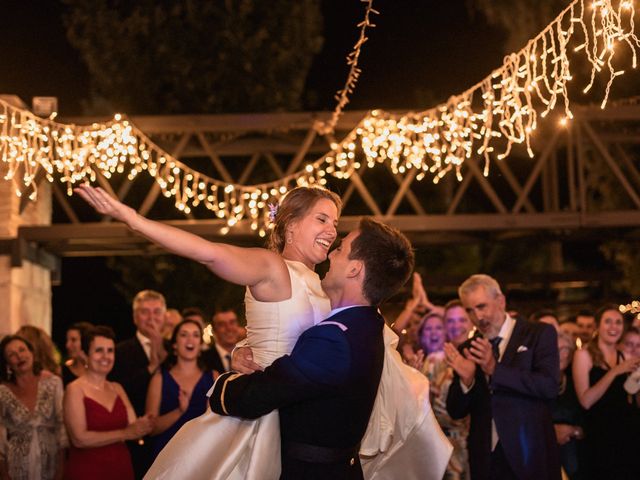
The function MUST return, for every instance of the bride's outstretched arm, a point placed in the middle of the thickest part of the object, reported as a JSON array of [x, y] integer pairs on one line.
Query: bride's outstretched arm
[[243, 266]]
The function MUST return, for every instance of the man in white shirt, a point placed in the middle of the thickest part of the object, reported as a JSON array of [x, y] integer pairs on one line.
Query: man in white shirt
[[137, 359]]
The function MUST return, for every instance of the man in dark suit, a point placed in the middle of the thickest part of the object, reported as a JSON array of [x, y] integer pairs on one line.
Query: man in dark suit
[[506, 376], [227, 333], [326, 388], [137, 359]]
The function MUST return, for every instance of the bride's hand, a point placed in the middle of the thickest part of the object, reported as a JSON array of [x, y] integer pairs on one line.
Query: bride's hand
[[242, 361], [105, 204]]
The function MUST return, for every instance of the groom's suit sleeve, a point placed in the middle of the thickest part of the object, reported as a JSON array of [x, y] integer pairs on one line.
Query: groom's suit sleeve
[[317, 366]]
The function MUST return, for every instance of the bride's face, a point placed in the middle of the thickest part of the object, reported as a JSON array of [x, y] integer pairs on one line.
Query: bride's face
[[312, 235]]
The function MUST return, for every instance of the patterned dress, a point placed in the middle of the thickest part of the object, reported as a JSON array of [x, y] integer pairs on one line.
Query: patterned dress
[[33, 439], [440, 376]]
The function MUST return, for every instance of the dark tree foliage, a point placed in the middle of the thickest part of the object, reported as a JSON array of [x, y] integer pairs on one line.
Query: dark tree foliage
[[196, 56], [192, 56], [521, 19]]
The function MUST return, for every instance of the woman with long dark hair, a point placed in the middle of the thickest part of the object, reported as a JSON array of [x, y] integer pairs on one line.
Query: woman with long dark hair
[[599, 374], [177, 393]]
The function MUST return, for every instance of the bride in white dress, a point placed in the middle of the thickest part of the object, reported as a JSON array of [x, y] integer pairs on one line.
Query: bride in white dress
[[284, 298]]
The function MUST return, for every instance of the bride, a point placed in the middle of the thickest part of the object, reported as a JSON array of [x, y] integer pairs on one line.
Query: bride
[[284, 298]]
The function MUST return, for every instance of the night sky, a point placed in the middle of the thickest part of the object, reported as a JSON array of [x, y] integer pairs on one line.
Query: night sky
[[420, 52]]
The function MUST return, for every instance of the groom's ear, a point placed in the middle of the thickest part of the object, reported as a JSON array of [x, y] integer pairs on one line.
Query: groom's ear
[[356, 267]]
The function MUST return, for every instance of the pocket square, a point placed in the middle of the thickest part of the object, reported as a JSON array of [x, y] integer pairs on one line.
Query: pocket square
[[522, 348]]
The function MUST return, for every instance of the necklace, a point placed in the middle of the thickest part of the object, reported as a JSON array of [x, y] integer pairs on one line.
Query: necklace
[[96, 387]]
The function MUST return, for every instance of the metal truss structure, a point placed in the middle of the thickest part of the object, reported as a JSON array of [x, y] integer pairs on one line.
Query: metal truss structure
[[583, 181]]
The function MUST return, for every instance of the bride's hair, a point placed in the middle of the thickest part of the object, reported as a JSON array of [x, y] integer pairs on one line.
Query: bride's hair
[[295, 205]]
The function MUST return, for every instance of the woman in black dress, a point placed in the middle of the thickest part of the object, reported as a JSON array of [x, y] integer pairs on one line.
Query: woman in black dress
[[599, 373]]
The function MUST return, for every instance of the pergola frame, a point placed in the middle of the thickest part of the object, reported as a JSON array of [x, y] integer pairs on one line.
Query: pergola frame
[[520, 196]]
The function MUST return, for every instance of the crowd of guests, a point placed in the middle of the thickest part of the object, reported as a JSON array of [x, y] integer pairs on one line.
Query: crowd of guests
[[595, 405], [108, 409]]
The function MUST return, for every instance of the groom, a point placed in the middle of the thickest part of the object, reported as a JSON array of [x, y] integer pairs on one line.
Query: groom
[[326, 388]]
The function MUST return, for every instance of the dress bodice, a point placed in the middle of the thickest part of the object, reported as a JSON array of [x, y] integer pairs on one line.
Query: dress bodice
[[170, 401], [34, 437], [274, 327], [102, 419], [107, 461]]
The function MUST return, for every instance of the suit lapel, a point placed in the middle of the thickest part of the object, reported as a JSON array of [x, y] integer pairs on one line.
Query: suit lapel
[[517, 336]]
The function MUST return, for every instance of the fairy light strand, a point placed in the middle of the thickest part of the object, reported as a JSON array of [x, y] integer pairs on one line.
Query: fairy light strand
[[342, 96], [505, 105], [632, 308]]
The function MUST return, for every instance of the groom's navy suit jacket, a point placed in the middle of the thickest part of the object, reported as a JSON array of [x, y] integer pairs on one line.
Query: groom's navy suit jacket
[[517, 397], [324, 391]]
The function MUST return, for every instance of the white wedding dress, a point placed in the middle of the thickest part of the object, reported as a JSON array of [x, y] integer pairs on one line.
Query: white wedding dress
[[213, 447]]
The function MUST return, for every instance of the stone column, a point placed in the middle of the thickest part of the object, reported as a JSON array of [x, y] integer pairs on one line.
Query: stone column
[[25, 291]]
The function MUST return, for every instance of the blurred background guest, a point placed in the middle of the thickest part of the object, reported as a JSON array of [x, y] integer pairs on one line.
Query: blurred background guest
[[193, 313], [44, 350], [599, 374], [568, 418], [569, 326], [433, 336], [586, 323], [630, 347], [408, 322], [76, 362], [177, 393], [226, 333], [99, 416], [172, 318], [457, 324], [630, 344], [31, 413], [546, 316]]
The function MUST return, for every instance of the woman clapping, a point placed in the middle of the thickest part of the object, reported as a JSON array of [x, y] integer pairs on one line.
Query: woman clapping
[[99, 416], [177, 393]]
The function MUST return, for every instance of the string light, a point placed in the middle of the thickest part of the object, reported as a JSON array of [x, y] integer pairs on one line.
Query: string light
[[505, 105], [342, 96], [30, 145], [633, 308]]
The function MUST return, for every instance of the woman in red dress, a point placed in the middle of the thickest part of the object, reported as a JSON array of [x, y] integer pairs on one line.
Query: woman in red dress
[[99, 416]]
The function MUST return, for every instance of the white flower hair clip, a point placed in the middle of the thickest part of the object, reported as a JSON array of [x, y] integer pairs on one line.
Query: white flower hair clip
[[273, 211]]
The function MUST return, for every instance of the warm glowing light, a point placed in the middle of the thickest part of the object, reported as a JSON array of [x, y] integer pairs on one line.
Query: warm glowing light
[[633, 307], [342, 96], [505, 106]]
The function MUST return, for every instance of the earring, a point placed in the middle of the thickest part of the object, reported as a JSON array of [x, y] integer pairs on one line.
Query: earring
[[9, 372], [289, 238]]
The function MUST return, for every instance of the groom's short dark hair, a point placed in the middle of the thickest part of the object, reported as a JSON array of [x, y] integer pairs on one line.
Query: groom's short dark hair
[[387, 256]]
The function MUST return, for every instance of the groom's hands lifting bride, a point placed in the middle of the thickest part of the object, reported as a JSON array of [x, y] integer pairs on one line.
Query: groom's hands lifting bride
[[242, 361]]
